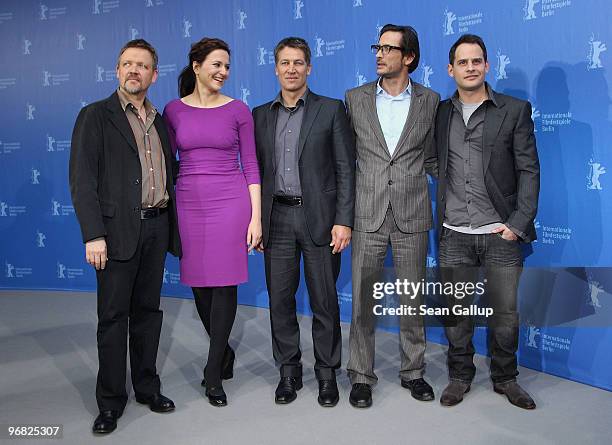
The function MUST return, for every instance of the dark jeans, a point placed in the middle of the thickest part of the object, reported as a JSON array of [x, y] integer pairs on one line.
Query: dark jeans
[[461, 257]]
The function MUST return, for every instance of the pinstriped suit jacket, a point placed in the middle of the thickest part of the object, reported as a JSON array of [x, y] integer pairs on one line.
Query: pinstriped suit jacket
[[399, 179]]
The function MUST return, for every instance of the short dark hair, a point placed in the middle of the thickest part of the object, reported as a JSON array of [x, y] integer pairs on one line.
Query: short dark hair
[[293, 42], [142, 44], [410, 42], [198, 53], [467, 38]]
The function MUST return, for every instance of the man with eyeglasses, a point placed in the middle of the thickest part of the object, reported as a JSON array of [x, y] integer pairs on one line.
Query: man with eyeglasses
[[392, 119]]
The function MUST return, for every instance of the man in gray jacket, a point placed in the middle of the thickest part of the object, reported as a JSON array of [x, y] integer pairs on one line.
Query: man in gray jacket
[[487, 201], [392, 119]]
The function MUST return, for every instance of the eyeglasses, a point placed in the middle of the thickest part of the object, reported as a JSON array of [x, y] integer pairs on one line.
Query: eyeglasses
[[386, 49]]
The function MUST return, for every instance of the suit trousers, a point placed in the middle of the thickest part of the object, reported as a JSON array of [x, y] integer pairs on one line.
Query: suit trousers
[[461, 256], [128, 302], [409, 260], [289, 240]]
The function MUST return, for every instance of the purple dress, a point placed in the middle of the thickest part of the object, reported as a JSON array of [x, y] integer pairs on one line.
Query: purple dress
[[212, 197]]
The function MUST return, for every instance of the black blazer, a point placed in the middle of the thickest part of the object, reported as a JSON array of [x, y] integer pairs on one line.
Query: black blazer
[[510, 162], [105, 178], [326, 151]]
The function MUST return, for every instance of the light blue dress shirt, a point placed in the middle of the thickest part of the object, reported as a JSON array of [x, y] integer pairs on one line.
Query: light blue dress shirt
[[392, 113]]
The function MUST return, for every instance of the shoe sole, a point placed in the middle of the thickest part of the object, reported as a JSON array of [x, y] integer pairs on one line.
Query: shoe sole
[[423, 399], [457, 402], [360, 405], [500, 392], [328, 404], [103, 433], [166, 410], [217, 405]]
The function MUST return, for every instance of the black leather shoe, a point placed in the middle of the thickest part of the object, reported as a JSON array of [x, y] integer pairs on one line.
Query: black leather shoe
[[286, 391], [453, 393], [515, 394], [328, 393], [420, 389], [157, 403], [106, 422], [361, 395], [216, 396], [227, 367]]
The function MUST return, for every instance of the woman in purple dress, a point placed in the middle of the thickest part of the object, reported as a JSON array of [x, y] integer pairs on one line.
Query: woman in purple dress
[[218, 198]]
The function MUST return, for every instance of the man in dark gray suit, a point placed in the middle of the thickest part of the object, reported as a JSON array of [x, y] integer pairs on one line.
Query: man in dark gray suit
[[123, 195], [306, 158], [487, 201], [392, 119]]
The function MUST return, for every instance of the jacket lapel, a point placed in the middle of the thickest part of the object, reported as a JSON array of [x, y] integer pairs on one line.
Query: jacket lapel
[[494, 119], [119, 119], [369, 105], [270, 142], [416, 103], [311, 109], [446, 119]]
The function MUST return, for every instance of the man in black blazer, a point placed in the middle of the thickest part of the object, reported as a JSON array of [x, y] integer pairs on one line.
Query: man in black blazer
[[489, 180], [123, 194], [307, 163]]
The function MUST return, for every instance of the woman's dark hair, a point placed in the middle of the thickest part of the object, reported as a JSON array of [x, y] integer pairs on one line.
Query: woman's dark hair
[[198, 53]]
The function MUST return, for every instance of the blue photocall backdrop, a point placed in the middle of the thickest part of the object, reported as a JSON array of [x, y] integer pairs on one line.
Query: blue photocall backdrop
[[59, 55]]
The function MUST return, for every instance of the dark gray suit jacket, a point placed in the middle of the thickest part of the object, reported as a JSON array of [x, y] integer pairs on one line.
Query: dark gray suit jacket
[[510, 162], [399, 179], [105, 178], [326, 165]]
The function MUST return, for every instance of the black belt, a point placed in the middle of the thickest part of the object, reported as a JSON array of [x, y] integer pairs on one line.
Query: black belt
[[152, 213], [293, 201]]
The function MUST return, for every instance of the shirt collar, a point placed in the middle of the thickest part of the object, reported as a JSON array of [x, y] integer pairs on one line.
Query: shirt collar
[[404, 94], [491, 96], [125, 101], [278, 100]]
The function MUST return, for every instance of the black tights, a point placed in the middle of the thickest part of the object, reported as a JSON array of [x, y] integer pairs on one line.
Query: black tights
[[217, 309]]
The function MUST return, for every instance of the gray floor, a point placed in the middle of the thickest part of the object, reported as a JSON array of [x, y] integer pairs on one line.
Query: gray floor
[[48, 366]]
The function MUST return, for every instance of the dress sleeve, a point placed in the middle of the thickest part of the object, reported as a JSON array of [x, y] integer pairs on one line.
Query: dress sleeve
[[246, 138], [170, 127]]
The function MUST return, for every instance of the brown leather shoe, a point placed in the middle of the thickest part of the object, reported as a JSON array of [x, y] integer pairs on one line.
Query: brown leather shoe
[[453, 393], [515, 394]]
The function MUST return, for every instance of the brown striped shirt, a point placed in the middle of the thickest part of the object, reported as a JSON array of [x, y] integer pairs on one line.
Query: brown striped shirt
[[152, 162]]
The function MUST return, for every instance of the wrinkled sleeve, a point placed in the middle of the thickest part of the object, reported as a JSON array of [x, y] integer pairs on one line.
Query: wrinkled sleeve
[[246, 136], [167, 115]]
